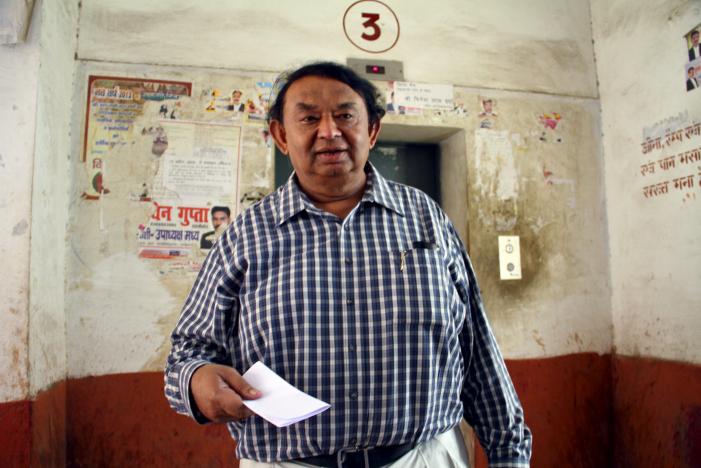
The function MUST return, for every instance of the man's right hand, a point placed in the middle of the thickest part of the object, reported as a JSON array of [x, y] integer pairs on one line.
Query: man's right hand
[[218, 392]]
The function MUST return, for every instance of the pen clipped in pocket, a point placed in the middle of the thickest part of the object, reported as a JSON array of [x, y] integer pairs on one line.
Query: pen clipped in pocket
[[416, 246]]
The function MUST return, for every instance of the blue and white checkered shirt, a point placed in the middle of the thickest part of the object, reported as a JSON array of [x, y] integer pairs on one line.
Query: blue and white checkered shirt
[[378, 314]]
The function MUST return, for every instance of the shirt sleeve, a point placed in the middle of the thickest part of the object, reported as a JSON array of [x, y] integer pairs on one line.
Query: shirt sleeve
[[201, 334], [489, 399]]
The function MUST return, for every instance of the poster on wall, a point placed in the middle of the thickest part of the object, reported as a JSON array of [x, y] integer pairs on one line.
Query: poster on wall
[[113, 106], [488, 115], [145, 145], [237, 104], [194, 190], [693, 65], [417, 96], [181, 231]]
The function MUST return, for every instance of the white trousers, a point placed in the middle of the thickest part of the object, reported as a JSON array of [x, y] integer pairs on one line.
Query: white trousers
[[446, 450]]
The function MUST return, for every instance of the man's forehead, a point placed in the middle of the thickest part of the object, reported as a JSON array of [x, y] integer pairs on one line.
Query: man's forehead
[[315, 90]]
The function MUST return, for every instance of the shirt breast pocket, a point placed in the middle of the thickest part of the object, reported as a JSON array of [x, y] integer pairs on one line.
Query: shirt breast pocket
[[422, 284]]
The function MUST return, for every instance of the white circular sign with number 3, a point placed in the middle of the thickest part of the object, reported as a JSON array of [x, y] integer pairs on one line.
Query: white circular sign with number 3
[[371, 26]]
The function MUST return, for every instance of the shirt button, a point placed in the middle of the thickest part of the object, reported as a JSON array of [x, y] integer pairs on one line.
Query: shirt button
[[347, 227], [348, 260], [353, 441], [351, 347], [354, 396], [349, 301]]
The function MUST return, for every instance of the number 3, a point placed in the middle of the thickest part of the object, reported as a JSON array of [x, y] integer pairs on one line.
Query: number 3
[[371, 23]]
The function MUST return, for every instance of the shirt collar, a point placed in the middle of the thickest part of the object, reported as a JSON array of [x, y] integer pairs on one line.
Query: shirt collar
[[292, 200], [377, 190]]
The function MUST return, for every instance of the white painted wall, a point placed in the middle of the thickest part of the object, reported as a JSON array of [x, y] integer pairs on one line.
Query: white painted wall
[[654, 242], [52, 154], [14, 20], [18, 93], [539, 45]]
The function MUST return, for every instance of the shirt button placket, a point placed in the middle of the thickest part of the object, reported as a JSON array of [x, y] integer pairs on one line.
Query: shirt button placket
[[349, 316]]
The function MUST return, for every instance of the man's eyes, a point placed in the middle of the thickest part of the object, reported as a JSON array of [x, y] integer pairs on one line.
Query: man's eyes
[[346, 116]]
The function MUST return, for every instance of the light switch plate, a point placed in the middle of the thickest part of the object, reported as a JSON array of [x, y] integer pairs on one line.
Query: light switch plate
[[509, 258]]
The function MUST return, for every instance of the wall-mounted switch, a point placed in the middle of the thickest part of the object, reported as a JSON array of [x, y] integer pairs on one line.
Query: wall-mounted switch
[[509, 258]]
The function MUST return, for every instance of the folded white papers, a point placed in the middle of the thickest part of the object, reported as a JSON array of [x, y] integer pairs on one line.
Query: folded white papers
[[281, 403]]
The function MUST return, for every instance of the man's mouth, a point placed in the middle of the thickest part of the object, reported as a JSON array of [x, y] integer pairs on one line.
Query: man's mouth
[[331, 153]]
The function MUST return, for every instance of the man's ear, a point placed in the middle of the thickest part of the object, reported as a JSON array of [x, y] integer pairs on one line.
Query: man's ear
[[279, 135], [374, 132]]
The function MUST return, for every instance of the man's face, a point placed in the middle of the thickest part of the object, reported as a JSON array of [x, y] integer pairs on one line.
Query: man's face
[[219, 218], [695, 39], [487, 106], [326, 132]]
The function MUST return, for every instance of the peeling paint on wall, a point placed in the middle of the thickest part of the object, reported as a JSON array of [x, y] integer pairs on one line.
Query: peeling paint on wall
[[496, 178], [123, 306]]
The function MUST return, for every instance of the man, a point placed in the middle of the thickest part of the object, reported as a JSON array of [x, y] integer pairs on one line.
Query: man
[[220, 219], [691, 82], [487, 113], [355, 290], [695, 49], [235, 103]]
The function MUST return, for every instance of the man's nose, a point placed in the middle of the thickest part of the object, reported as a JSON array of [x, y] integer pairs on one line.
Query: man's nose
[[328, 128]]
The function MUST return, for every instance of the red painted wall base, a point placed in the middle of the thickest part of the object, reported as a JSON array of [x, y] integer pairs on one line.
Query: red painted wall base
[[585, 410], [49, 428], [123, 420], [658, 413], [15, 438]]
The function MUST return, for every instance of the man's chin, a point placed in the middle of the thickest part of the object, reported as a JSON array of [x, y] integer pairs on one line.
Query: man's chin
[[334, 168]]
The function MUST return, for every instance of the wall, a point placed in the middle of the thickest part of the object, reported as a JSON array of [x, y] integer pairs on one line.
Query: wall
[[542, 171], [17, 116], [654, 248], [555, 322], [110, 331], [51, 182], [542, 46]]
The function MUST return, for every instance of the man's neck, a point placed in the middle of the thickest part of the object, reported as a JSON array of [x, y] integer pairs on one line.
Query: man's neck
[[340, 208], [337, 199]]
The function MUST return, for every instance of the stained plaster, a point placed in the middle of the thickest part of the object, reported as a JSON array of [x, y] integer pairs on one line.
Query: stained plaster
[[654, 249], [560, 306]]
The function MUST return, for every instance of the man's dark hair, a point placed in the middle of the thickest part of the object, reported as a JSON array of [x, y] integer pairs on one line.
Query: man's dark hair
[[374, 101], [224, 209]]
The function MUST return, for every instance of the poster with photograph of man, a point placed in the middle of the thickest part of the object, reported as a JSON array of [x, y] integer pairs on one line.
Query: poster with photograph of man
[[693, 65], [220, 216], [693, 72], [488, 114]]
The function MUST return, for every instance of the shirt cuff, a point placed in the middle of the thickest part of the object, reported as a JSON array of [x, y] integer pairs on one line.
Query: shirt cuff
[[178, 390]]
